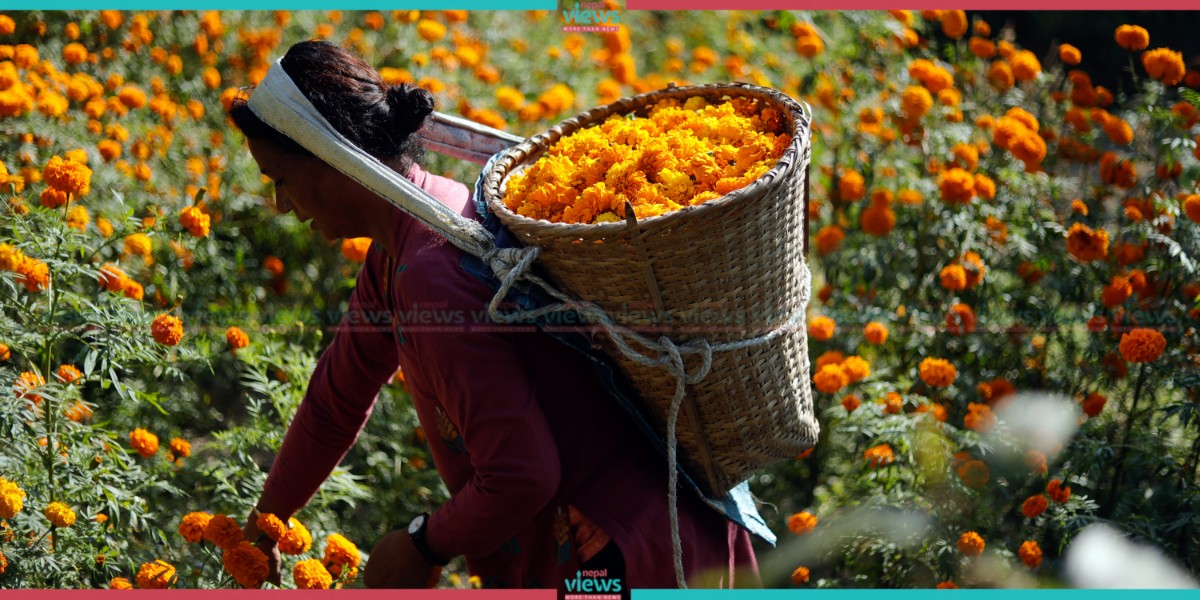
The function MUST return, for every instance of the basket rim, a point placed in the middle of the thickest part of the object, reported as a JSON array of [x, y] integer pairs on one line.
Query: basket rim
[[798, 150]]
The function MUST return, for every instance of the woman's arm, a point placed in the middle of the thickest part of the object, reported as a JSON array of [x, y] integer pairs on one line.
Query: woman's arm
[[341, 394]]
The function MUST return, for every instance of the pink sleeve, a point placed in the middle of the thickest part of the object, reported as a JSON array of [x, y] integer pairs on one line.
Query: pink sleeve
[[483, 387], [340, 395]]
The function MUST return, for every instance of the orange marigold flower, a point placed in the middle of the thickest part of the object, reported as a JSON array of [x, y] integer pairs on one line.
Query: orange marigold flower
[[34, 275], [956, 186], [995, 390], [800, 576], [53, 198], [830, 378], [1036, 460], [878, 219], [223, 531], [851, 186], [158, 575], [1142, 345], [1057, 491], [974, 473], [1070, 55], [821, 328], [246, 563], [192, 526], [144, 442], [25, 384], [1086, 244], [296, 540], [339, 554], [68, 374], [850, 402], [1031, 554], [1025, 65], [856, 368], [954, 23], [981, 47], [937, 372], [915, 102], [236, 338], [960, 320], [67, 176], [953, 277], [1094, 404], [802, 522], [879, 456], [167, 329], [120, 583], [829, 238], [311, 575], [5, 353], [355, 249], [876, 332], [196, 221], [947, 585], [1000, 75], [1132, 37], [985, 187], [180, 447], [1165, 65], [1034, 506], [271, 525], [273, 265], [979, 417], [970, 544], [430, 30], [139, 244], [1119, 131]]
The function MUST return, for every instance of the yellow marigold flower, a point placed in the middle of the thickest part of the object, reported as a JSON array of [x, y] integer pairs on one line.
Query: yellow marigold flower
[[236, 338], [223, 532], [212, 78], [311, 575], [67, 176], [1025, 65], [1086, 244], [974, 473], [1070, 55], [296, 540], [970, 544], [195, 220], [158, 575], [954, 23], [246, 563], [802, 522], [876, 332], [192, 526], [953, 277], [59, 514], [509, 98], [138, 244], [1142, 345], [800, 576], [937, 372], [12, 499], [1165, 65], [1034, 506], [144, 442], [821, 328], [915, 102], [120, 583], [78, 218], [270, 525], [355, 249], [430, 30], [856, 368], [830, 378], [167, 330], [879, 456], [1057, 491], [1031, 554], [1132, 37]]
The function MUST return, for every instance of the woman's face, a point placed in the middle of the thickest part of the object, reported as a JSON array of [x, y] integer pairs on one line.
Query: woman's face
[[311, 189]]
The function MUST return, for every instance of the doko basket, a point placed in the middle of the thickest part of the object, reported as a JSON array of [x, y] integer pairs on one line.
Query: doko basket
[[726, 270]]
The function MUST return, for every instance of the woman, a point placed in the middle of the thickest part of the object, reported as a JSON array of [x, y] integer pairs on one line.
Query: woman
[[547, 475]]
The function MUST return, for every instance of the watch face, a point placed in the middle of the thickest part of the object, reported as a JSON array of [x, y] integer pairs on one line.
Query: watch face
[[416, 523]]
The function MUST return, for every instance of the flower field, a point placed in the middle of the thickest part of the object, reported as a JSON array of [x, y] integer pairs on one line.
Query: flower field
[[1003, 331]]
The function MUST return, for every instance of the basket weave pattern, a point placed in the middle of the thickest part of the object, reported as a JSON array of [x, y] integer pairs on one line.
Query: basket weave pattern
[[725, 270]]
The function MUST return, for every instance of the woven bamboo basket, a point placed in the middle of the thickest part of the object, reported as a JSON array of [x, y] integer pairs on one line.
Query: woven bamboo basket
[[726, 270]]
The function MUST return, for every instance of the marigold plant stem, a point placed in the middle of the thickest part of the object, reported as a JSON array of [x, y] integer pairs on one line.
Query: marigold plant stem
[[1123, 455]]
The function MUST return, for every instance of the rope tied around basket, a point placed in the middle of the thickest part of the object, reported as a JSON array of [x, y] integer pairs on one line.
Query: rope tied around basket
[[281, 105]]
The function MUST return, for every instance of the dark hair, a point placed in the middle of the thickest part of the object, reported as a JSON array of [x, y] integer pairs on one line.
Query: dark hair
[[351, 95]]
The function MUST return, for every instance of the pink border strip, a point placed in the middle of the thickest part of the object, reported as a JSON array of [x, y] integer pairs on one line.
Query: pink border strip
[[1081, 5], [260, 594]]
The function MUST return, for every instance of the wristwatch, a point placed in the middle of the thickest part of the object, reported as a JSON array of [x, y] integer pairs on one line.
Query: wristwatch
[[416, 531]]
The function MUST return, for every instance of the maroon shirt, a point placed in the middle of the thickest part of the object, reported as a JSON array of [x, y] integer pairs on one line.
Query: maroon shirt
[[526, 437]]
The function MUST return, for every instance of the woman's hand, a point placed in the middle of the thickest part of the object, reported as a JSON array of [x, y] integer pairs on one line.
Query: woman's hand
[[268, 546], [396, 563]]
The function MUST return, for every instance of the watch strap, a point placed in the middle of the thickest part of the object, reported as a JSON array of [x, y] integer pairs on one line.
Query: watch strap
[[422, 546]]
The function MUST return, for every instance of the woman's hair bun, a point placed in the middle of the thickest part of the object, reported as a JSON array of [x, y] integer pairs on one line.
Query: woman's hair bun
[[410, 106]]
